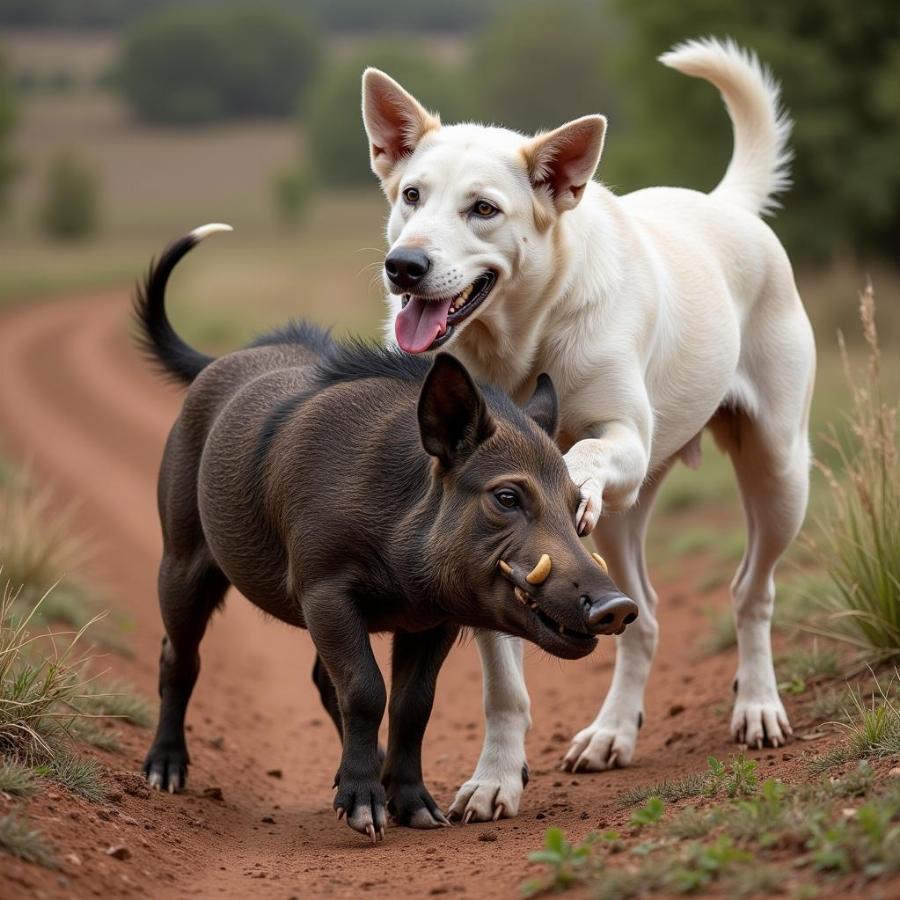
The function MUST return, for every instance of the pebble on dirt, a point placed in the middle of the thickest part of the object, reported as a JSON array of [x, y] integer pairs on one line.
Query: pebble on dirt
[[118, 851], [213, 793], [275, 773]]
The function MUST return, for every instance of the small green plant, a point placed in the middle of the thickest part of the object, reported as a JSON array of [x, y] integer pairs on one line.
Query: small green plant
[[569, 863], [795, 670], [703, 864], [17, 839], [737, 779], [859, 541], [649, 814], [71, 204]]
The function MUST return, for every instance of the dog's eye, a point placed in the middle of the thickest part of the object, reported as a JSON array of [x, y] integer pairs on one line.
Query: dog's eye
[[507, 499], [485, 209], [411, 195]]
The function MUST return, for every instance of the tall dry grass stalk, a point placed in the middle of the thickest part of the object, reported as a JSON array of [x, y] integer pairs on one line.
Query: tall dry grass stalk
[[859, 539], [42, 682]]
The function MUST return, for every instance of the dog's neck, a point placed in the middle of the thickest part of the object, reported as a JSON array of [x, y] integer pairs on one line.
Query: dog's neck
[[505, 344]]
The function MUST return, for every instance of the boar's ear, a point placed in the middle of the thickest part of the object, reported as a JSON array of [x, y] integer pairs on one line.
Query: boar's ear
[[453, 417], [543, 406]]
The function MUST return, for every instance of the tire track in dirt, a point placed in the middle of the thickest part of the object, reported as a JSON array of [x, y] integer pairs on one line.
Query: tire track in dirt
[[86, 412]]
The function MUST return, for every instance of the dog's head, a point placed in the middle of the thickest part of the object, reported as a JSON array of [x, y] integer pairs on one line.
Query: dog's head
[[473, 210], [502, 552]]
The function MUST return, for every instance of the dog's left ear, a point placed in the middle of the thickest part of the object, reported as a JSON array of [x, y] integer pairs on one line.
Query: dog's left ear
[[564, 161], [395, 121], [543, 406]]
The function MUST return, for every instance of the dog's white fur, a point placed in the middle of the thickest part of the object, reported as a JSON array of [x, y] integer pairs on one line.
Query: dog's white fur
[[656, 314]]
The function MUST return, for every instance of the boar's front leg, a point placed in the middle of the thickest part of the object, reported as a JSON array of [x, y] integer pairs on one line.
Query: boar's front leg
[[342, 640], [416, 660]]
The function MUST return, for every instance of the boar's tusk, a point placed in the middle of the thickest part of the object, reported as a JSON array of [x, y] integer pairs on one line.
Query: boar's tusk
[[540, 573], [601, 562], [505, 568]]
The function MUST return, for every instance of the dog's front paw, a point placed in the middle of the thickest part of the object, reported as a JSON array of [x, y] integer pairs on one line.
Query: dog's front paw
[[760, 721], [362, 800], [410, 804], [490, 794], [602, 746], [166, 765]]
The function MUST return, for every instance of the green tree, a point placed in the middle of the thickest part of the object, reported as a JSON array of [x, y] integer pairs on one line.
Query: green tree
[[337, 140], [543, 64], [197, 65], [839, 65], [8, 163], [70, 210]]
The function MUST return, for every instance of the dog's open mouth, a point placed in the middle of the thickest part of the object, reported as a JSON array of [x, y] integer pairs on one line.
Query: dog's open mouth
[[425, 323]]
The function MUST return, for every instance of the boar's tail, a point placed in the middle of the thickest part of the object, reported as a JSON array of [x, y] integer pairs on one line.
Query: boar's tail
[[156, 337]]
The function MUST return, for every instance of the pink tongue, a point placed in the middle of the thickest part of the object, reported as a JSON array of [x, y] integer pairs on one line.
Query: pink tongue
[[420, 323]]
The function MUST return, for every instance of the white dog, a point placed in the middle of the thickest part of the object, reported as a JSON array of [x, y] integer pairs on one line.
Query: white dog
[[657, 314]]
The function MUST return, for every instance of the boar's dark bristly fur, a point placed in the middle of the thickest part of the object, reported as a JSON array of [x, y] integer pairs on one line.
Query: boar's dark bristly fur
[[348, 489]]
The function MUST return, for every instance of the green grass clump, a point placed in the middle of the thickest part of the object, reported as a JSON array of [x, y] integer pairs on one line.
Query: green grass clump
[[671, 791], [875, 730], [859, 541], [79, 775], [17, 839], [16, 779]]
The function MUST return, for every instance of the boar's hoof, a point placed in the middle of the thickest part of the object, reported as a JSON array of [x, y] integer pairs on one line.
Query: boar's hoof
[[165, 767], [363, 803], [413, 806]]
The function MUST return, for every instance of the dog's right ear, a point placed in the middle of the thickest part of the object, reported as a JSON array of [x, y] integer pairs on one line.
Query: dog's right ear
[[395, 121], [453, 416]]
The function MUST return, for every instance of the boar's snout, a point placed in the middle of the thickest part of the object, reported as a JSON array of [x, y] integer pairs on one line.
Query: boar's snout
[[609, 612]]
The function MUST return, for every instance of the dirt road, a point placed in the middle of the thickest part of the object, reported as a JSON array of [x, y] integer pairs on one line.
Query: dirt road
[[79, 405]]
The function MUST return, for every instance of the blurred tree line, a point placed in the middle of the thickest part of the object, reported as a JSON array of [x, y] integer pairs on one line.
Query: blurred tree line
[[339, 15], [533, 64]]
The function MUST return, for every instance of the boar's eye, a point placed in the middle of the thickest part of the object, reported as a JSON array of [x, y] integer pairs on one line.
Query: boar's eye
[[507, 498]]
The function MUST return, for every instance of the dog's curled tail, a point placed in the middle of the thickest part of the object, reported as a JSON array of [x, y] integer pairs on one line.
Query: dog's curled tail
[[760, 163], [156, 337]]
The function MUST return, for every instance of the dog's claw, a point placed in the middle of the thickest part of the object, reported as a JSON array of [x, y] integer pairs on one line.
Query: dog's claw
[[468, 816], [498, 812], [370, 831], [339, 812]]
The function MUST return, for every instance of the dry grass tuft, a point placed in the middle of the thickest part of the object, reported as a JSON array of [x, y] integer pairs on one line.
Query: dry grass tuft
[[859, 540]]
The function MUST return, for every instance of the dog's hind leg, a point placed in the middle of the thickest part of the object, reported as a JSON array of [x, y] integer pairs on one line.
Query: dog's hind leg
[[609, 740], [189, 592], [495, 788], [773, 475]]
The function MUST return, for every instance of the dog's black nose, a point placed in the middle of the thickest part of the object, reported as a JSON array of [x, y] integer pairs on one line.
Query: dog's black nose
[[608, 613], [407, 266]]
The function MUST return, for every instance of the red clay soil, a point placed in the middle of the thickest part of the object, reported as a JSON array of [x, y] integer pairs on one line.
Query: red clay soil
[[79, 406]]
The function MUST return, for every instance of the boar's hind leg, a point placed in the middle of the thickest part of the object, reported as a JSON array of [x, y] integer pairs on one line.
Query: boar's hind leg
[[188, 595], [416, 661], [323, 682]]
